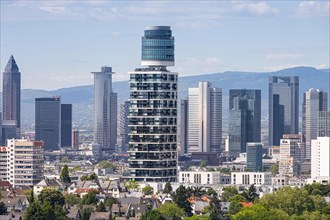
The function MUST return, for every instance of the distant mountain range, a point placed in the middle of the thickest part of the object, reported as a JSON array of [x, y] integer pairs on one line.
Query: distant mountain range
[[82, 96]]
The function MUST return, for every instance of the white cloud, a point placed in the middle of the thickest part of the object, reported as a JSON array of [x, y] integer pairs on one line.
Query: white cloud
[[313, 8], [255, 8], [59, 10], [282, 56]]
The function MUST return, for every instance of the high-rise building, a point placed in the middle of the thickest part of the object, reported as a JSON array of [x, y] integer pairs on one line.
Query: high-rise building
[[66, 125], [184, 126], [323, 128], [314, 101], [48, 122], [254, 156], [75, 139], [283, 107], [123, 138], [25, 162], [205, 118], [153, 110], [320, 158], [292, 152], [11, 100], [105, 110], [244, 119]]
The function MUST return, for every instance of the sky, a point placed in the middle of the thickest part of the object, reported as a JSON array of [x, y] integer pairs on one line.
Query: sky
[[58, 44]]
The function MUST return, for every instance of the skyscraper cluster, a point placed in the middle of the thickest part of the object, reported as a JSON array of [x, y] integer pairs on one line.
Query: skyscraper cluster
[[148, 122]]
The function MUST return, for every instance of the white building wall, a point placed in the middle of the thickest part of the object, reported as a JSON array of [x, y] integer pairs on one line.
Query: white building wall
[[200, 177], [205, 118], [249, 178], [320, 157]]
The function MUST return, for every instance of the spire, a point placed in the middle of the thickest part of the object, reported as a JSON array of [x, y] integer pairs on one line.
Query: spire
[[11, 65]]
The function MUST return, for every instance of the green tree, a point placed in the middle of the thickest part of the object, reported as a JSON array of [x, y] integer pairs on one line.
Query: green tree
[[319, 203], [84, 177], [132, 185], [109, 201], [168, 188], [228, 192], [291, 200], [101, 207], [72, 199], [152, 215], [198, 217], [251, 194], [86, 213], [53, 197], [260, 212], [93, 176], [34, 212], [235, 207], [274, 169], [65, 177], [3, 208], [203, 163], [148, 190], [181, 199], [90, 198], [171, 210]]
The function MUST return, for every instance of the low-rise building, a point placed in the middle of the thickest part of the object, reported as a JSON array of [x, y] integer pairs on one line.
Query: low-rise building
[[203, 177], [249, 178], [54, 184]]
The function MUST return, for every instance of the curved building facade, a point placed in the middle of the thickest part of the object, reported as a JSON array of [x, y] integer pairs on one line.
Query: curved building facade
[[157, 46], [153, 110]]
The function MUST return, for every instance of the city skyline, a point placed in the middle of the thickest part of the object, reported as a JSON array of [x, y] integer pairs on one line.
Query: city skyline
[[79, 36]]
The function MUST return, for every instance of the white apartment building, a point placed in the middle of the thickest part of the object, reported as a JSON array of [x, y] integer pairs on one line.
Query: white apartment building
[[249, 178], [25, 162], [320, 159], [203, 177], [205, 118]]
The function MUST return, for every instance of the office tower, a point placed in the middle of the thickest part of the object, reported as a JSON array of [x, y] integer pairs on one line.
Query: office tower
[[314, 101], [254, 156], [48, 122], [105, 110], [75, 139], [292, 152], [320, 158], [184, 126], [205, 118], [25, 164], [283, 107], [66, 125], [244, 119], [323, 128], [153, 110], [123, 139], [11, 100], [113, 120]]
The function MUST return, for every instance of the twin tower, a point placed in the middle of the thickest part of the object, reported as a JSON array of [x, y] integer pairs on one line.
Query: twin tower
[[152, 110]]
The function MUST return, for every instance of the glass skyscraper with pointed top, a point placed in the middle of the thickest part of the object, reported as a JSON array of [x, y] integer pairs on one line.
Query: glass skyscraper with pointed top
[[11, 100], [153, 110]]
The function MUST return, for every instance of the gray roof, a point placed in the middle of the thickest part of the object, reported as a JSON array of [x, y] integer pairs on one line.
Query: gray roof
[[130, 200]]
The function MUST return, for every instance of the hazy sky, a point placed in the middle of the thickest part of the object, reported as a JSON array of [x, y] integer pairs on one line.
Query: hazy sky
[[58, 43]]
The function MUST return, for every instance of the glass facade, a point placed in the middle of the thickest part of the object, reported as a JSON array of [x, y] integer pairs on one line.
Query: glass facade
[[244, 119], [158, 46]]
